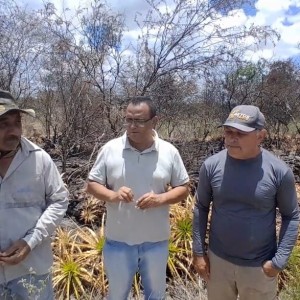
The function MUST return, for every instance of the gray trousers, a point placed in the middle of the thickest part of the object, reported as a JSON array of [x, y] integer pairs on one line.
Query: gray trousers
[[228, 281]]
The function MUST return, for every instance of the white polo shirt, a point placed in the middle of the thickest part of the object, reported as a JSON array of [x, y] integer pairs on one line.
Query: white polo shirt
[[152, 170]]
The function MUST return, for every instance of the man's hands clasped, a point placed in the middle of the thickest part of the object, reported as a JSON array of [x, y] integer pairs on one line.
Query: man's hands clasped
[[148, 200], [124, 194], [15, 253]]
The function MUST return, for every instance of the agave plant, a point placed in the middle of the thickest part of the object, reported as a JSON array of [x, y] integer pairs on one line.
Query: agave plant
[[180, 244], [182, 233], [92, 210], [179, 264], [181, 224], [70, 274], [90, 244]]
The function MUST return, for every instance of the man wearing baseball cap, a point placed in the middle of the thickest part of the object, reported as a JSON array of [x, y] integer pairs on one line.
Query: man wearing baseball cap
[[245, 184], [33, 200]]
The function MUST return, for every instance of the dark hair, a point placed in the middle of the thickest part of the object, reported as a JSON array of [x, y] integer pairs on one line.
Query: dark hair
[[137, 100]]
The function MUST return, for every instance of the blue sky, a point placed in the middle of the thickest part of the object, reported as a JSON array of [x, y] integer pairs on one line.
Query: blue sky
[[281, 15]]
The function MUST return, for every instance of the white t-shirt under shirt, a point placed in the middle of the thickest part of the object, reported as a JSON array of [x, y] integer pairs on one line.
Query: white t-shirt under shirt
[[152, 170]]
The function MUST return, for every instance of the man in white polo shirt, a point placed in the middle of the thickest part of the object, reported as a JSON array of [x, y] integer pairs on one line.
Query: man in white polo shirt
[[133, 174]]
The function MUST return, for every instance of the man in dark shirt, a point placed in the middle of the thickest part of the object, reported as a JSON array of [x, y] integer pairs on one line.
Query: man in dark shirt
[[245, 184]]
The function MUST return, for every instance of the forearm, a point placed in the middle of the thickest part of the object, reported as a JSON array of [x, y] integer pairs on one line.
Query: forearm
[[201, 210], [100, 191], [287, 239], [289, 211], [174, 195], [47, 222], [199, 229]]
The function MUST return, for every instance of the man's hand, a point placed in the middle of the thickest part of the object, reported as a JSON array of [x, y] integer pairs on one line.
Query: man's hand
[[124, 194], [15, 253], [149, 200], [269, 270], [202, 266]]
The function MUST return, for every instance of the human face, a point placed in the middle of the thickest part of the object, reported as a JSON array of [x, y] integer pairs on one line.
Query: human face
[[243, 145], [139, 125], [10, 131]]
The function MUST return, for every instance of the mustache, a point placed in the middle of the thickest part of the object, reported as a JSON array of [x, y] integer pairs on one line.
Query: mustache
[[228, 145], [12, 138]]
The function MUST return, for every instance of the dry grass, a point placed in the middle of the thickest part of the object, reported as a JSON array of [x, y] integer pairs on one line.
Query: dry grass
[[78, 271], [291, 276], [298, 191]]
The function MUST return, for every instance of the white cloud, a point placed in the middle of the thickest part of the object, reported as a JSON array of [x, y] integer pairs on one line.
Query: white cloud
[[294, 19], [278, 15], [290, 34], [256, 55], [274, 13], [273, 5], [236, 17]]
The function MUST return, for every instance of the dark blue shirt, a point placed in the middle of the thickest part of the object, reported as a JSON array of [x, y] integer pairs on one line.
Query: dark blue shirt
[[245, 195]]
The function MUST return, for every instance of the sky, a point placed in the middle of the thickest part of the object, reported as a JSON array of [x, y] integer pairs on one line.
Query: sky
[[281, 15]]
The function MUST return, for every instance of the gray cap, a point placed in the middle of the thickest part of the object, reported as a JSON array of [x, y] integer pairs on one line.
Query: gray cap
[[7, 103], [245, 118]]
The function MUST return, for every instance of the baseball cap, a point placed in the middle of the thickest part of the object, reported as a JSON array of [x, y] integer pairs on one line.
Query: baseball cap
[[7, 103], [245, 118]]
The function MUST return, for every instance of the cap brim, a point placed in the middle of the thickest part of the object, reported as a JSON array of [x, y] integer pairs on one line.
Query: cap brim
[[30, 112], [239, 126]]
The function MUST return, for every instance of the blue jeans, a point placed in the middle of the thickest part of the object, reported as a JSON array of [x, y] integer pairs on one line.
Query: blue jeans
[[122, 261], [28, 287]]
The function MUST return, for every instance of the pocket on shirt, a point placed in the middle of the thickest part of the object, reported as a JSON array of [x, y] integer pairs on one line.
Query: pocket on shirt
[[28, 192]]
